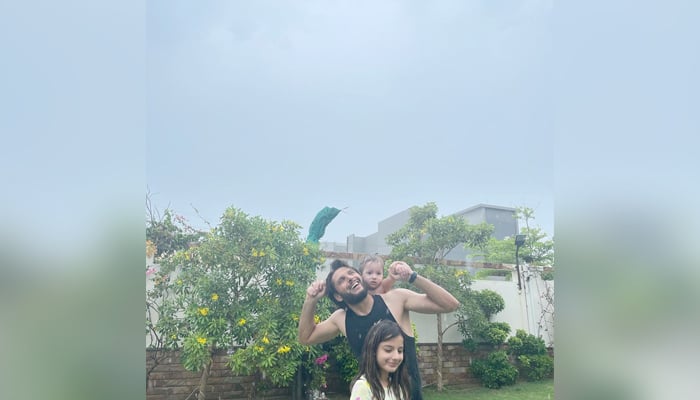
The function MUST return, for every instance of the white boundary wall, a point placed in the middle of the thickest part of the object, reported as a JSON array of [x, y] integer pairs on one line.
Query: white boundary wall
[[527, 309]]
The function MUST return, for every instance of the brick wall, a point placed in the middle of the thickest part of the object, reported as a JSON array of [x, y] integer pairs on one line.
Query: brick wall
[[455, 371], [455, 367], [170, 381]]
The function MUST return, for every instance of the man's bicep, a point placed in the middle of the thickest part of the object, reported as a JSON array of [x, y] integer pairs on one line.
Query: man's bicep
[[421, 303], [324, 331]]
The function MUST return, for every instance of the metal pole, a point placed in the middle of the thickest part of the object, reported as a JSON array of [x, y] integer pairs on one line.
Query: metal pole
[[517, 266]]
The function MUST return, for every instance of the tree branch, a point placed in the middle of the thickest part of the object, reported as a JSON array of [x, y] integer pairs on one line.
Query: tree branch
[[448, 327]]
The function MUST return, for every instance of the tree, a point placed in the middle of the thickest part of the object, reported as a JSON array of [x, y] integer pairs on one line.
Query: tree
[[494, 370], [425, 241], [239, 287], [537, 250], [476, 326]]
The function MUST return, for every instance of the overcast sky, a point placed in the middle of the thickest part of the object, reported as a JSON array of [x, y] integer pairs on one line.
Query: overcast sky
[[281, 108]]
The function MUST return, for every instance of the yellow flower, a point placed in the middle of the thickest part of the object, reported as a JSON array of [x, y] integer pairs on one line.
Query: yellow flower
[[179, 282], [459, 273], [265, 340], [259, 349], [215, 297], [279, 281], [202, 340], [295, 317], [261, 253], [173, 336], [204, 311], [289, 283], [255, 253], [284, 349], [317, 319], [306, 251], [241, 322]]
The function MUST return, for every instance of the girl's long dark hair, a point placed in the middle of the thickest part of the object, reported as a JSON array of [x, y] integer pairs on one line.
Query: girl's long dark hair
[[399, 382]]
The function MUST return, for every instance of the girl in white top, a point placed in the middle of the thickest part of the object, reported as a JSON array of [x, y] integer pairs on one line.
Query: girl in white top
[[382, 375]]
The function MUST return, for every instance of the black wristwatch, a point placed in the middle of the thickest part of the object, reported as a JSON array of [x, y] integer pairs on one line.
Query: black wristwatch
[[413, 277]]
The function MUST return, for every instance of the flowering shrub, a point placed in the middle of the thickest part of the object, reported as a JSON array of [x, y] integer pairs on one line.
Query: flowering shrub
[[236, 288]]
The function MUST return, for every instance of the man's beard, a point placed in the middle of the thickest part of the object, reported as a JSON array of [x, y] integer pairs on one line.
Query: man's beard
[[353, 299]]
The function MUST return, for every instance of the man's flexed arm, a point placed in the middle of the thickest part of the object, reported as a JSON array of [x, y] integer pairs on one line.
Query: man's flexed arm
[[434, 300], [309, 331]]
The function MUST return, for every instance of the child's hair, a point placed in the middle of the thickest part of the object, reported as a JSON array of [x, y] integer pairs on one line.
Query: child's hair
[[399, 382], [370, 258]]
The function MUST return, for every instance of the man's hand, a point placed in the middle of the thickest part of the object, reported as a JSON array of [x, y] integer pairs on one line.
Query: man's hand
[[316, 290], [311, 332], [399, 270]]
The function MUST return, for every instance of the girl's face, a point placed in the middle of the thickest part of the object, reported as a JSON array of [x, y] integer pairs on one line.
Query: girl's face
[[390, 354], [372, 275]]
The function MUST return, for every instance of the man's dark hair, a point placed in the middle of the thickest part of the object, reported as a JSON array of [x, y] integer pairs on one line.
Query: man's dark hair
[[330, 289], [339, 263]]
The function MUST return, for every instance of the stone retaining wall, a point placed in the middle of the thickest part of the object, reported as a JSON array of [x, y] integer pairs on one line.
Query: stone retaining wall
[[168, 380]]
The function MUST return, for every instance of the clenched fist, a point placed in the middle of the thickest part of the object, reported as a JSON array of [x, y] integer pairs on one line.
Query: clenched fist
[[316, 290], [399, 270]]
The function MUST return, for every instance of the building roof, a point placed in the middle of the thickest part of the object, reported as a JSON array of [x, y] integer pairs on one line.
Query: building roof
[[482, 205]]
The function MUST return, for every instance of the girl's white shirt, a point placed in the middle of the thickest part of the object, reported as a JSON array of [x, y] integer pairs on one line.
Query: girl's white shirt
[[362, 391]]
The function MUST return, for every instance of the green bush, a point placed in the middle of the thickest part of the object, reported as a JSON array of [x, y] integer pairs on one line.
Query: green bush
[[495, 371], [491, 302], [496, 333], [547, 276], [470, 344], [531, 356], [537, 367], [525, 343]]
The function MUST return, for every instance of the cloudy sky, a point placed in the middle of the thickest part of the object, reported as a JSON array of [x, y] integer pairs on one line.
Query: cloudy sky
[[282, 108]]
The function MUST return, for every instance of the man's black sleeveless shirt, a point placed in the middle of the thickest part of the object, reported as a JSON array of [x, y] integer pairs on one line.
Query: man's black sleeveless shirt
[[357, 326]]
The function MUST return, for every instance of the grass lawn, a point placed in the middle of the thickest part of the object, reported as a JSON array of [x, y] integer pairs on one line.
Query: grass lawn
[[543, 390]]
